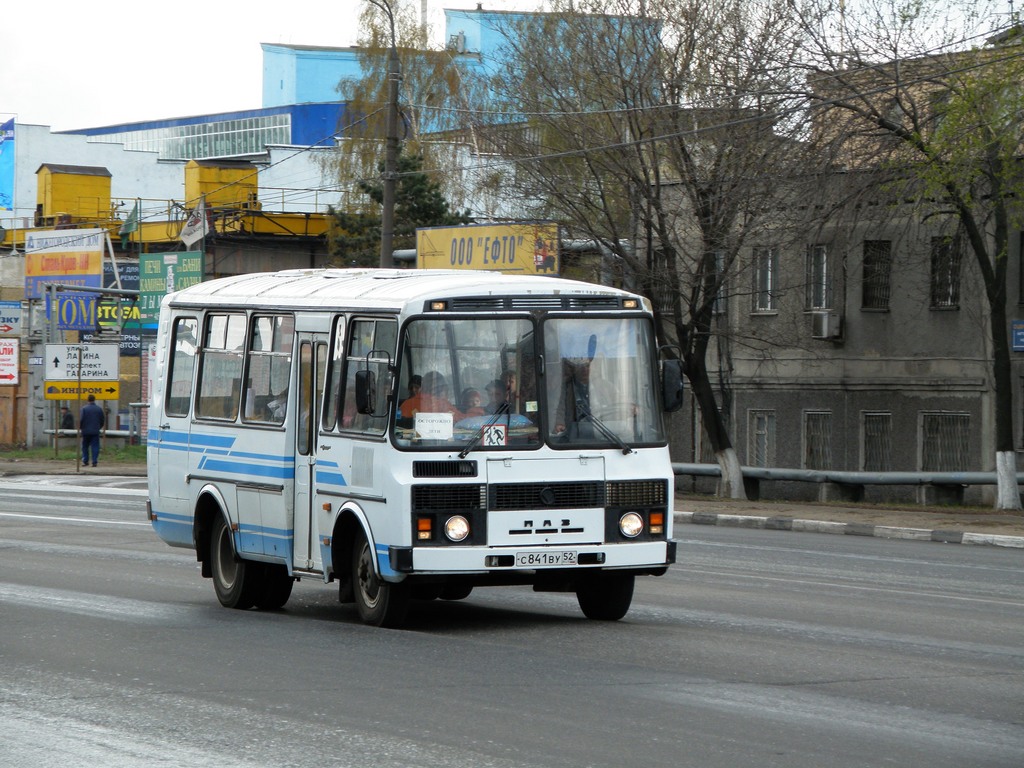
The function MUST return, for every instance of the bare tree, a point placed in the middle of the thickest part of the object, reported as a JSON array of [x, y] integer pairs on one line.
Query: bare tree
[[434, 95], [663, 130], [926, 93]]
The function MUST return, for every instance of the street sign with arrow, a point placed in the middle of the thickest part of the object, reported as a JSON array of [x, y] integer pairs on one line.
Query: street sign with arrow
[[10, 358]]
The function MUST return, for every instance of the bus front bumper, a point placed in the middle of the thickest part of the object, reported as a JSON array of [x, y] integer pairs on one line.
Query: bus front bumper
[[456, 560]]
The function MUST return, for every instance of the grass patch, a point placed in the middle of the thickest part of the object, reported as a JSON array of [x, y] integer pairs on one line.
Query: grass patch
[[135, 454]]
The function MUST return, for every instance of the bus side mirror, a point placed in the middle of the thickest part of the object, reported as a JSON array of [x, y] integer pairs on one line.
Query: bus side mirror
[[672, 384], [366, 392]]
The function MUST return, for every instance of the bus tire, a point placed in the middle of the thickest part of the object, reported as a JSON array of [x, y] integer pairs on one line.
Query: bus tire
[[276, 588], [605, 596], [380, 603], [236, 581]]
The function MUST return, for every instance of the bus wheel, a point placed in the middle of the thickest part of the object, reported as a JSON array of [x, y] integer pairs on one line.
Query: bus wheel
[[605, 596], [379, 602], [276, 588], [236, 581]]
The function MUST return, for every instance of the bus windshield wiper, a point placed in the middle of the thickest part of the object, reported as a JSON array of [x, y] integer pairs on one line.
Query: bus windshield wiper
[[474, 441], [603, 428]]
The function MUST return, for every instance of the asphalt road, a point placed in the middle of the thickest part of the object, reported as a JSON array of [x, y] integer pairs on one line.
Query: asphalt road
[[757, 648]]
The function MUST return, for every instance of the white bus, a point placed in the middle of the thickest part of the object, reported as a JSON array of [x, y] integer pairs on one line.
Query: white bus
[[412, 434]]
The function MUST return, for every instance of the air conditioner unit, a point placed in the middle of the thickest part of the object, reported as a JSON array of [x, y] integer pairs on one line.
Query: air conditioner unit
[[826, 325]]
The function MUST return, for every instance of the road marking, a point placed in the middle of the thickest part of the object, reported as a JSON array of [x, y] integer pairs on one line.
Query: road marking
[[56, 519]]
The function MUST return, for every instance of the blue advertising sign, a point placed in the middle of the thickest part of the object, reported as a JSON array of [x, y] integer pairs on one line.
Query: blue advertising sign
[[7, 165], [1017, 335]]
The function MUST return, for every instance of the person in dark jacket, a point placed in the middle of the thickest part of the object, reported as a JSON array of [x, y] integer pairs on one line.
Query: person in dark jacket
[[67, 420], [91, 422]]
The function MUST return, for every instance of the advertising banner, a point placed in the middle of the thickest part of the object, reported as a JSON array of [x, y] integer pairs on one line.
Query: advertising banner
[[163, 273], [7, 165], [66, 256], [524, 248], [120, 314]]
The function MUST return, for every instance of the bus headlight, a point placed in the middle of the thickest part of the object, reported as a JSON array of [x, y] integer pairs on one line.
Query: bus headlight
[[456, 528], [631, 525]]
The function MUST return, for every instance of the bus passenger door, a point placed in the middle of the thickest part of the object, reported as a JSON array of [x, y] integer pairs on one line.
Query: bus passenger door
[[312, 363]]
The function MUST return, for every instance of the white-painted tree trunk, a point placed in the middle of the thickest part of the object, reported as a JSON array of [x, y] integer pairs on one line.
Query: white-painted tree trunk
[[1008, 494], [732, 474]]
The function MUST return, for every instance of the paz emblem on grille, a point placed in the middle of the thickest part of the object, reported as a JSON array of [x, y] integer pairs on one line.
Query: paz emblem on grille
[[547, 497]]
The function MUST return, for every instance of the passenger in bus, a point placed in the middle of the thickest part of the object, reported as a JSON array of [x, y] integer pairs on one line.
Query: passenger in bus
[[501, 391], [432, 398], [277, 406], [415, 383], [472, 402]]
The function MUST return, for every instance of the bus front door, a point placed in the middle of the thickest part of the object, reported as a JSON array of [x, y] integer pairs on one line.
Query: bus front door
[[310, 373]]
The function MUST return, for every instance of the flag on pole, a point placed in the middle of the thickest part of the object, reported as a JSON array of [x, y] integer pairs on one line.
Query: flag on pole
[[196, 226], [131, 224]]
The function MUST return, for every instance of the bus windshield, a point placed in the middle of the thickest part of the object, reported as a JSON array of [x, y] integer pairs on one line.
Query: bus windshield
[[463, 378], [599, 376], [476, 382]]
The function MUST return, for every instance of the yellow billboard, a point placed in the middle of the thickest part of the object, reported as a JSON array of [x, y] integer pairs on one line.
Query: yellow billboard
[[524, 248]]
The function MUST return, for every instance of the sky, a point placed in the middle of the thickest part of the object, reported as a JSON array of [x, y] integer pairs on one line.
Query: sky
[[72, 64]]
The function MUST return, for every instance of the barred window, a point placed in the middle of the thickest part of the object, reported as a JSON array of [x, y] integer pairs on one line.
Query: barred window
[[766, 269], [944, 441], [877, 442], [945, 278], [761, 428], [819, 281], [876, 287], [817, 440]]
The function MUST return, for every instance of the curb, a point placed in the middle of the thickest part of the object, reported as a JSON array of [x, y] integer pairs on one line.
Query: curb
[[848, 529]]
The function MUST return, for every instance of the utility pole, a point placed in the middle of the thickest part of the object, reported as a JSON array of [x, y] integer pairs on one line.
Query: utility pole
[[387, 218]]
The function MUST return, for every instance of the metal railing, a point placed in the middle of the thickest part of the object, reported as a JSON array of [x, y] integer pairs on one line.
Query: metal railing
[[935, 487]]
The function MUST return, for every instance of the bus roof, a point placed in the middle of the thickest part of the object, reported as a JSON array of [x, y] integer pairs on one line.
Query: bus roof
[[380, 288]]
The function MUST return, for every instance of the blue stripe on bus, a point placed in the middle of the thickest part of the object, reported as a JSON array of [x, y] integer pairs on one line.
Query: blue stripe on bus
[[174, 529], [329, 473], [208, 464], [384, 561], [166, 438]]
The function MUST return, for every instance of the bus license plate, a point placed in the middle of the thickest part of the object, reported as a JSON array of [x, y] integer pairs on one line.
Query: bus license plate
[[540, 559]]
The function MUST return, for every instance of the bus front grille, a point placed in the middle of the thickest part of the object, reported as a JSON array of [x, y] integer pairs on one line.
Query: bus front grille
[[638, 493], [448, 498], [512, 496], [444, 469]]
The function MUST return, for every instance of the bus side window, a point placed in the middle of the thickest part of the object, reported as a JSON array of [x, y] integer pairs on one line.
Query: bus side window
[[181, 366], [269, 360], [337, 364], [220, 373], [379, 336]]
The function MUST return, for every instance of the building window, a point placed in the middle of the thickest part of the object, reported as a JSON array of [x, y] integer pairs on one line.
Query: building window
[[876, 287], [877, 442], [718, 259], [945, 273], [944, 441], [817, 440], [819, 280], [766, 274], [761, 451]]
